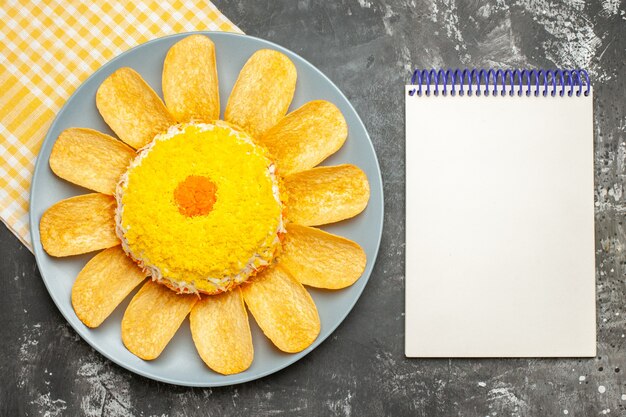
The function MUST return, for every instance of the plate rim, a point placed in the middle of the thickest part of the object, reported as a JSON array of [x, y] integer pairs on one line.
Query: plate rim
[[37, 248]]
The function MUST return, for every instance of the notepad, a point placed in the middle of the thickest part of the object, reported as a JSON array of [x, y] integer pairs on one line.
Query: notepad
[[500, 216]]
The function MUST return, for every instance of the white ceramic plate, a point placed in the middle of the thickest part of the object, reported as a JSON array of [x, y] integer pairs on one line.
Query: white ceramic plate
[[180, 363]]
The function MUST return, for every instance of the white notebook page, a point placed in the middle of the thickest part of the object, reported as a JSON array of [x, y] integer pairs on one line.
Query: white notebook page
[[499, 226]]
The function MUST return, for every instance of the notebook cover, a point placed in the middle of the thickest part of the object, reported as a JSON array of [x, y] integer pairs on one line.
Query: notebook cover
[[499, 226]]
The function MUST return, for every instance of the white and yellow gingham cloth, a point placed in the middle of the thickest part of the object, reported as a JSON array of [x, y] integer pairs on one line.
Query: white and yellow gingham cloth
[[47, 49]]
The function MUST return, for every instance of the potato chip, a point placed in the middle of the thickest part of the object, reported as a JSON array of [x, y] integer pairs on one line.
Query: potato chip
[[79, 225], [306, 136], [104, 283], [221, 332], [321, 259], [190, 87], [152, 318], [326, 194], [283, 309], [90, 159], [262, 93], [131, 108]]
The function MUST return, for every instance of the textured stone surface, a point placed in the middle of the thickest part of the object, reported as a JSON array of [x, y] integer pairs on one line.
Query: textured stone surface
[[368, 48]]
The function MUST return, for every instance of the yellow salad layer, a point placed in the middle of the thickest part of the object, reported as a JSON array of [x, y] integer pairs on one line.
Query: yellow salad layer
[[200, 208]]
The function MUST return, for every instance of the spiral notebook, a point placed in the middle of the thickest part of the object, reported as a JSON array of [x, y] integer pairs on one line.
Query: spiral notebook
[[500, 214]]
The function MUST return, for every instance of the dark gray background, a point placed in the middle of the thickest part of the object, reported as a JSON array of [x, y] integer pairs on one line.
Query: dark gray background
[[368, 49]]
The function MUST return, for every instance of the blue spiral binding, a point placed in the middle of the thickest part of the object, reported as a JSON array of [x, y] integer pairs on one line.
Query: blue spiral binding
[[470, 81]]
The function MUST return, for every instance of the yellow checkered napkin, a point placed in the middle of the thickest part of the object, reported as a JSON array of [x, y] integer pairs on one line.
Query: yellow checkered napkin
[[48, 49]]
